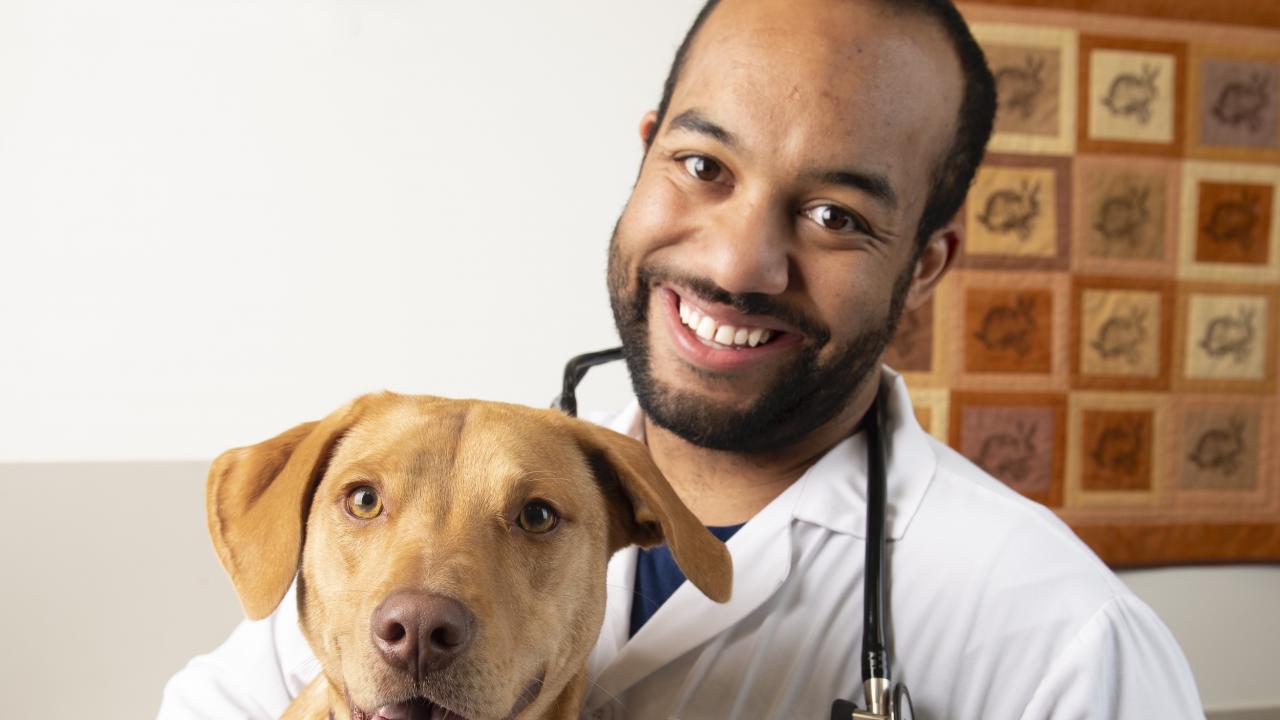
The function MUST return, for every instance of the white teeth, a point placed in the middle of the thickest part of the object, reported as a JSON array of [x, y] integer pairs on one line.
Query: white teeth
[[706, 327]]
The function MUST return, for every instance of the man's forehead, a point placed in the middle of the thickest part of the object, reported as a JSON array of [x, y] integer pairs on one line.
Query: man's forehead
[[830, 76], [827, 40]]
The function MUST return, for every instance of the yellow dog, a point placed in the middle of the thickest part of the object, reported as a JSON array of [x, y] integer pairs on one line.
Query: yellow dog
[[450, 555]]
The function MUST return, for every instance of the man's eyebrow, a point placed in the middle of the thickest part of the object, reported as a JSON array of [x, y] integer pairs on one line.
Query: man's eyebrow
[[696, 122], [872, 183]]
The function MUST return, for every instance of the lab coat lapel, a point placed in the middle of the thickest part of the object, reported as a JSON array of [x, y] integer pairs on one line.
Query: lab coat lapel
[[831, 494], [837, 484], [761, 553]]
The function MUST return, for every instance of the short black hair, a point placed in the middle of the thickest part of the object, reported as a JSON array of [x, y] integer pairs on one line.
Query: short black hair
[[954, 171]]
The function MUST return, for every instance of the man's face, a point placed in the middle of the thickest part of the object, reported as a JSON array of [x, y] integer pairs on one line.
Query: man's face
[[760, 266]]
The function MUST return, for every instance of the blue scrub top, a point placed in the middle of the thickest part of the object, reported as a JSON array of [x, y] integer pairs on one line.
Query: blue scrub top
[[658, 576]]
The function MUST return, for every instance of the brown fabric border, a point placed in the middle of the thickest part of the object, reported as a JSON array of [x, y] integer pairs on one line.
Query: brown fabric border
[[1144, 545], [1251, 13]]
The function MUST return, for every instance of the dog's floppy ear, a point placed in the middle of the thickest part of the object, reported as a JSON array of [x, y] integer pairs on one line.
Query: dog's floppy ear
[[647, 511], [258, 498]]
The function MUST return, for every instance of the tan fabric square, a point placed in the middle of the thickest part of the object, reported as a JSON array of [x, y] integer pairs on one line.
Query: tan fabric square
[[1012, 211], [1131, 96], [1027, 84], [1226, 337], [1120, 333], [1221, 450], [1008, 331], [1117, 450], [1125, 214], [1233, 223]]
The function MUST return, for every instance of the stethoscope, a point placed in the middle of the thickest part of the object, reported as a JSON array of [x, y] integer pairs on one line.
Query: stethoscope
[[885, 699]]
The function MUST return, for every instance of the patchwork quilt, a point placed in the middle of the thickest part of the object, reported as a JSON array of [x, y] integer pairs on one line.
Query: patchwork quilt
[[1107, 343]]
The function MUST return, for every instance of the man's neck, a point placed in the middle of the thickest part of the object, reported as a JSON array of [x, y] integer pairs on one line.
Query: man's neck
[[728, 488]]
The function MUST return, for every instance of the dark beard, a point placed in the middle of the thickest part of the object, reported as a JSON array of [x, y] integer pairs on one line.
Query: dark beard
[[806, 394]]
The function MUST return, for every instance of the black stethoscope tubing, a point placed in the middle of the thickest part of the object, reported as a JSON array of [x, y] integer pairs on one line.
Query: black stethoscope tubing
[[876, 672]]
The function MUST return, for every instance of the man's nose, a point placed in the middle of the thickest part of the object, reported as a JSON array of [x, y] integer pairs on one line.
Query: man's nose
[[749, 245]]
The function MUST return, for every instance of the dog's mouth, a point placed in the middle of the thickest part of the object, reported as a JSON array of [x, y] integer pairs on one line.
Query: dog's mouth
[[415, 709], [424, 708]]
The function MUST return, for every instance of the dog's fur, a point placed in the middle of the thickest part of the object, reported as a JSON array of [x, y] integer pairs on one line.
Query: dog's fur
[[453, 476]]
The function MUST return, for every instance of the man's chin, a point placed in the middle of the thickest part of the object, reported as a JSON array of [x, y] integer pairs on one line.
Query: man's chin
[[713, 413]]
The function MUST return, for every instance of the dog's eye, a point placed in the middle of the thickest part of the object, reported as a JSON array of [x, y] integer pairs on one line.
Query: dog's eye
[[538, 517], [364, 503]]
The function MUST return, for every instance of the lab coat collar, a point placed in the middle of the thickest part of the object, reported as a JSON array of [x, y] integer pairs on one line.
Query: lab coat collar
[[835, 488], [833, 492], [830, 494]]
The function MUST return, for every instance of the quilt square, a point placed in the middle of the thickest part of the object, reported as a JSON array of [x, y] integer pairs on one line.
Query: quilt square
[[1233, 222], [1121, 334], [1239, 103], [1018, 214], [1131, 95], [1227, 338], [1219, 448], [1035, 72], [1234, 102], [1227, 227], [1118, 447], [1007, 331], [1027, 83], [1016, 438], [1222, 459], [1125, 215]]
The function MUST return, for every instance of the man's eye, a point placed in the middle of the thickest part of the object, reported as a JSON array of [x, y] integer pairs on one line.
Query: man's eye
[[703, 168], [836, 219]]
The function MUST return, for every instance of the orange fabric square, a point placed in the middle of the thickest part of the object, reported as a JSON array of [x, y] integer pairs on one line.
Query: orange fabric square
[[1234, 223], [1117, 449], [1008, 330]]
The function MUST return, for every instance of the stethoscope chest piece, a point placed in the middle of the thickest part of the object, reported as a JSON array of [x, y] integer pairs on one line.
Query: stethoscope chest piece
[[897, 707]]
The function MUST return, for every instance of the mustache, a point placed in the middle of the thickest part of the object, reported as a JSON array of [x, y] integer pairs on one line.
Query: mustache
[[759, 304]]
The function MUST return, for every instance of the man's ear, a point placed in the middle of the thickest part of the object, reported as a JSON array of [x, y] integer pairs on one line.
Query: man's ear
[[648, 128], [646, 511], [936, 258], [257, 499]]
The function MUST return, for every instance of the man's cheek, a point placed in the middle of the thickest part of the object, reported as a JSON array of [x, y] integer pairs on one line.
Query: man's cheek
[[658, 216]]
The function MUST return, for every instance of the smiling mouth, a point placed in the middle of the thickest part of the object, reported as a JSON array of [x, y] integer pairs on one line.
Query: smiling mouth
[[722, 335]]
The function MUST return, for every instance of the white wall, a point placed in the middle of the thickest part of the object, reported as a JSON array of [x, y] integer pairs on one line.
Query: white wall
[[221, 217]]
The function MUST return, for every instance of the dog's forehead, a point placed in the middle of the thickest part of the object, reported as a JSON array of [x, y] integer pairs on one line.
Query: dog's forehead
[[419, 434]]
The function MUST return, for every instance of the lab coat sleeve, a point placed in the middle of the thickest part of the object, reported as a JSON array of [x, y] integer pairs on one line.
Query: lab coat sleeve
[[254, 674], [1124, 664]]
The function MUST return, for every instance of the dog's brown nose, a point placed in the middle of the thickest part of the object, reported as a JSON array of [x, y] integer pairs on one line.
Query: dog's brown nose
[[421, 632]]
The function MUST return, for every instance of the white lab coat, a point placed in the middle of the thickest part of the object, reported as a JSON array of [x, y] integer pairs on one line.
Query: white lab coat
[[996, 611]]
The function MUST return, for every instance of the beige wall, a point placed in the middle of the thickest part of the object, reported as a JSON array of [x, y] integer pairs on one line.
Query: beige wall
[[110, 585]]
